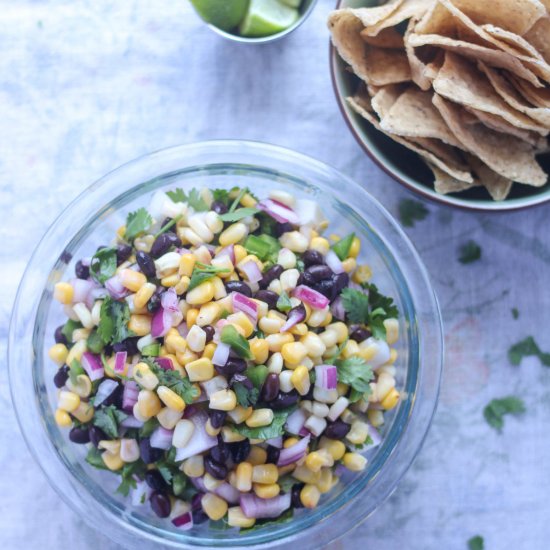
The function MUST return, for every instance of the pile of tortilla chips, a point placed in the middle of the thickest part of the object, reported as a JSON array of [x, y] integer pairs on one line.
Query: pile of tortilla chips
[[463, 83]]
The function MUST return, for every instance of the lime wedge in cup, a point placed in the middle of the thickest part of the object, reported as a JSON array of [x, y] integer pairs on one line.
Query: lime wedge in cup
[[224, 14], [267, 17]]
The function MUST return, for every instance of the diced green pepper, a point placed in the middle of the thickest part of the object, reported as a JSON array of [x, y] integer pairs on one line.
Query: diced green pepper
[[152, 350], [343, 246], [238, 343], [257, 375]]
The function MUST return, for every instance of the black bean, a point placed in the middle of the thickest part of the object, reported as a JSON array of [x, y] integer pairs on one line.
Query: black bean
[[341, 281], [146, 264], [233, 366], [220, 453], [270, 388], [312, 257], [217, 418], [96, 435], [61, 376], [149, 454], [239, 450], [129, 345], [154, 302], [79, 435], [81, 271], [215, 469], [154, 479], [160, 504], [238, 286], [284, 400], [163, 243], [337, 430], [115, 398], [59, 336], [281, 228], [267, 296], [295, 495], [325, 287], [219, 207], [318, 273], [66, 257], [123, 252], [244, 380], [274, 272], [209, 330], [199, 516], [272, 454], [360, 334], [196, 501]]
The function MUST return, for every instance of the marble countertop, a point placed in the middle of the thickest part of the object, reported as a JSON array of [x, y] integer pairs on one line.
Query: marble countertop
[[88, 85]]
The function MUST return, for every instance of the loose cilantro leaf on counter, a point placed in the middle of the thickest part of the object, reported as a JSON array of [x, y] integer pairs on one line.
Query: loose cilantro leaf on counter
[[275, 429], [284, 303], [174, 380], [476, 543], [137, 223], [108, 419], [411, 211], [469, 252], [127, 473], [245, 397], [113, 321], [94, 459], [194, 199], [103, 264], [238, 214], [515, 313], [202, 273], [355, 372], [494, 412], [527, 348]]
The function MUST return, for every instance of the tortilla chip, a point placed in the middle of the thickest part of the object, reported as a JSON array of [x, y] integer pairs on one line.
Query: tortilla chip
[[457, 168], [515, 42], [375, 15], [414, 115], [383, 100], [406, 10], [508, 156], [539, 37], [386, 38], [445, 184], [491, 57], [460, 81], [385, 66], [513, 98], [539, 97], [419, 69], [498, 186]]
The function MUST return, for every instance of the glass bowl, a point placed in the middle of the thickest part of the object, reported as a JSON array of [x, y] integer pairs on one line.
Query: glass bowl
[[92, 219]]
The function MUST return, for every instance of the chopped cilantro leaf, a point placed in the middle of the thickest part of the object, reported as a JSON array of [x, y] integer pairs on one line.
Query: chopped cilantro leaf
[[194, 199], [174, 380], [526, 348], [137, 468], [202, 273], [113, 321], [149, 427], [108, 419], [494, 412], [238, 214], [411, 211], [245, 397], [476, 543], [355, 372], [285, 517], [284, 303], [275, 429], [221, 195], [94, 459], [103, 264], [469, 253], [137, 223]]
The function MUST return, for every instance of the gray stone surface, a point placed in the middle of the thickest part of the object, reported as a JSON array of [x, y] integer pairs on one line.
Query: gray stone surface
[[86, 86]]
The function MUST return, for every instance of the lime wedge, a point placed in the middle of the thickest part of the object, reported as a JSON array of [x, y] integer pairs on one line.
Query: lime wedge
[[292, 3], [266, 17], [224, 14]]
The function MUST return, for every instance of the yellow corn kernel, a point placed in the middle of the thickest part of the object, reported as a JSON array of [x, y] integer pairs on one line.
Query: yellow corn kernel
[[145, 377], [341, 330], [248, 201], [362, 274], [170, 398], [283, 470], [186, 357], [376, 417], [233, 234], [81, 333], [327, 320], [368, 352], [325, 482], [320, 244], [63, 292], [120, 232], [266, 474], [168, 418], [260, 417], [358, 433], [82, 385], [260, 350], [239, 414], [200, 370], [305, 475], [209, 350], [354, 462], [257, 456], [68, 401], [84, 412], [355, 247], [293, 353], [208, 314], [143, 295], [223, 400], [289, 442], [240, 319], [236, 518], [315, 461], [309, 496], [300, 380], [200, 294], [175, 342], [266, 491], [187, 264], [349, 264], [270, 326], [336, 448], [170, 280], [112, 461], [392, 331], [140, 324], [111, 445], [193, 466], [393, 357], [210, 430], [182, 286], [58, 354], [277, 341], [391, 400], [62, 418], [240, 253], [148, 403], [132, 280], [351, 349], [244, 477], [299, 330], [191, 317]]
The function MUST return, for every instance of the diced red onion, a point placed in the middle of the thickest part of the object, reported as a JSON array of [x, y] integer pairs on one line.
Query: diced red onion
[[245, 304], [129, 395], [293, 453], [304, 432], [200, 441], [168, 315], [214, 384], [256, 507], [218, 330], [228, 493], [141, 493], [337, 309], [252, 271], [95, 294], [131, 422], [161, 323], [227, 251], [92, 365], [326, 377], [164, 363], [185, 521], [104, 390], [81, 288], [278, 211], [296, 421], [120, 361], [276, 442], [295, 315], [311, 297], [183, 330], [86, 261], [169, 300], [221, 354], [161, 438], [115, 287], [333, 261], [198, 482]]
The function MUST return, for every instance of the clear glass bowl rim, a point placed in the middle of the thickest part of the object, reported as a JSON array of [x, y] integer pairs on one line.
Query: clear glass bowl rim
[[20, 364]]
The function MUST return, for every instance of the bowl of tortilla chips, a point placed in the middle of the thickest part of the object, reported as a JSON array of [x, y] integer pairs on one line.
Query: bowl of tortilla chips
[[450, 97]]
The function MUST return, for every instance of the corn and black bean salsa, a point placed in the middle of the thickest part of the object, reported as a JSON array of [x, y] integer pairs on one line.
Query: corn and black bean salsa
[[224, 358]]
